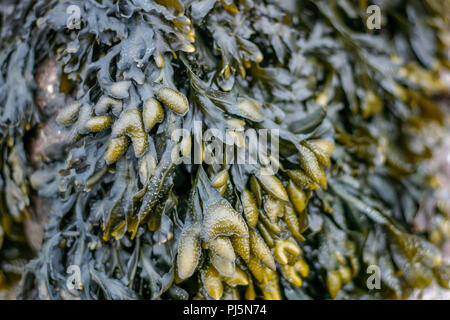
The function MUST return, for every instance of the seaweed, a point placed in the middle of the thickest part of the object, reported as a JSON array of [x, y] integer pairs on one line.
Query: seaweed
[[146, 215]]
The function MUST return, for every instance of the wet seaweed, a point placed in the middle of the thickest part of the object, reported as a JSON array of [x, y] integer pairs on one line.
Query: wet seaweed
[[349, 106]]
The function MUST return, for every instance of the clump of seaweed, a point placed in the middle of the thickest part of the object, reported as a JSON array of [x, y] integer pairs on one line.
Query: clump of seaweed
[[349, 106]]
